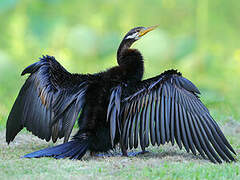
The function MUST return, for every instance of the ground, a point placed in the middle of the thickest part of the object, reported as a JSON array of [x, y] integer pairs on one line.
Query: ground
[[164, 162]]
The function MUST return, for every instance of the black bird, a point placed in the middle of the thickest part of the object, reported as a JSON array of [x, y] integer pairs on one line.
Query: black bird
[[114, 107]]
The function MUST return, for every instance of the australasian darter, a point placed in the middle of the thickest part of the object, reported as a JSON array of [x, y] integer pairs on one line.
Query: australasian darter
[[114, 107]]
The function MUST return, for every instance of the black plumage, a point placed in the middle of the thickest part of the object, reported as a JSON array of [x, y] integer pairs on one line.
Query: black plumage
[[114, 107]]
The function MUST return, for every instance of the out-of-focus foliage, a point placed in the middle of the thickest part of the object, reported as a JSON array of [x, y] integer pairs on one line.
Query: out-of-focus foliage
[[199, 38]]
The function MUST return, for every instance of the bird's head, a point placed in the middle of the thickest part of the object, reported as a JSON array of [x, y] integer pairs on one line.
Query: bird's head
[[138, 32], [132, 36]]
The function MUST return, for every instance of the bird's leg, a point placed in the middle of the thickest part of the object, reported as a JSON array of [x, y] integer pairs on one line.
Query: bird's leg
[[125, 153], [92, 153], [124, 150]]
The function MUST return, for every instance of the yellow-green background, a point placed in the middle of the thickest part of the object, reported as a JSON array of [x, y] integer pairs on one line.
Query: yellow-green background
[[200, 38]]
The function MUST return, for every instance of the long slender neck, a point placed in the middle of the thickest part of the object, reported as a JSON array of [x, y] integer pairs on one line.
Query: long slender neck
[[123, 47], [131, 60]]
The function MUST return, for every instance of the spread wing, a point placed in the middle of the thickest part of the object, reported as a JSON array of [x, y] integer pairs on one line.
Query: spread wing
[[166, 108], [49, 102]]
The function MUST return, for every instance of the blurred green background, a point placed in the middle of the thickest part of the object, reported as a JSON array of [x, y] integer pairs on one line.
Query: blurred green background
[[199, 38]]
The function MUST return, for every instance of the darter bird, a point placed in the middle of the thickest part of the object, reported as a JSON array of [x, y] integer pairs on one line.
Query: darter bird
[[114, 107]]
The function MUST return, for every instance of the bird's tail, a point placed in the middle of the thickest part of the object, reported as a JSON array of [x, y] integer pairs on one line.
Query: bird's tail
[[74, 149]]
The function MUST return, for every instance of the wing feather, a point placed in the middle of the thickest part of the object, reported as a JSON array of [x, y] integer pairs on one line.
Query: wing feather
[[162, 121], [136, 128], [189, 136], [131, 136], [147, 120], [194, 135], [157, 121], [206, 140], [182, 129], [152, 119], [177, 127], [142, 123], [202, 139]]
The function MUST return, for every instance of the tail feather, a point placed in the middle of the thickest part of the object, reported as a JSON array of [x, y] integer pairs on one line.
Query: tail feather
[[77, 155], [72, 152], [74, 149]]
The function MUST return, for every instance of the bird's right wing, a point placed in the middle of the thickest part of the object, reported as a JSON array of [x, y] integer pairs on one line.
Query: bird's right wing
[[166, 108], [49, 102]]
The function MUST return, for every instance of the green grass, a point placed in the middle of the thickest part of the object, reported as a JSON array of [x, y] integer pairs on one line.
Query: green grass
[[164, 162]]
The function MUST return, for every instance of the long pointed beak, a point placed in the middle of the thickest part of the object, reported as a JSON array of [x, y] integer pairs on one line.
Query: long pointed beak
[[146, 30]]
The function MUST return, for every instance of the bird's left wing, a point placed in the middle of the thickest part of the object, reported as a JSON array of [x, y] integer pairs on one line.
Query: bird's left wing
[[49, 102], [166, 108]]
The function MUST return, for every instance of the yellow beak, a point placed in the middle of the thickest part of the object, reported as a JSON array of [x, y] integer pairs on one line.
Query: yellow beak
[[146, 30]]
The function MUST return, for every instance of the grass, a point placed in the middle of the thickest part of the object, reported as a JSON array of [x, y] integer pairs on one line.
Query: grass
[[164, 162]]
